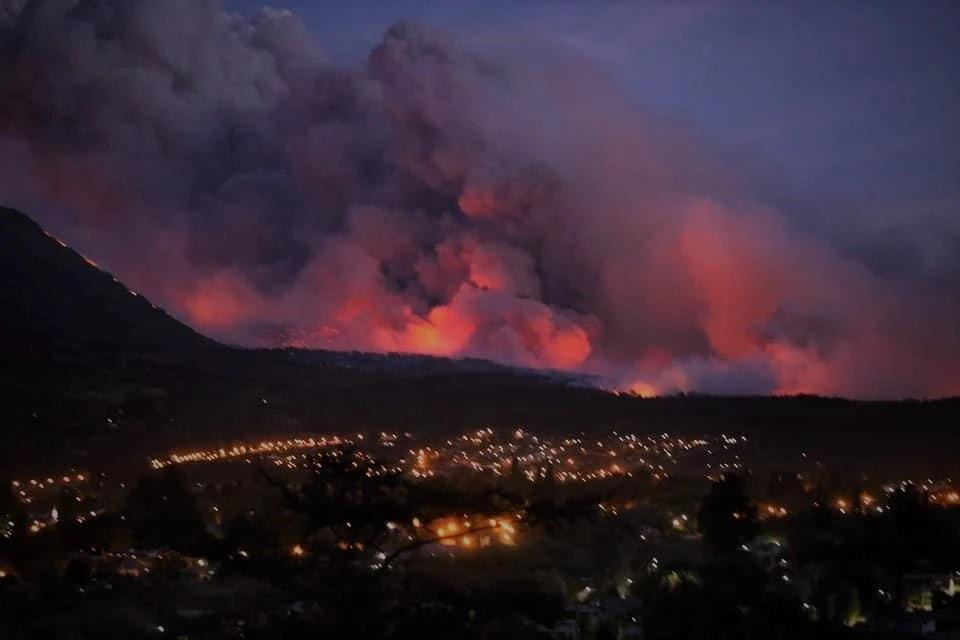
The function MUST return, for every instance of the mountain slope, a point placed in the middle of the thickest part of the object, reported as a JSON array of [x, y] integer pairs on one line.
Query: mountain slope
[[84, 361], [51, 295]]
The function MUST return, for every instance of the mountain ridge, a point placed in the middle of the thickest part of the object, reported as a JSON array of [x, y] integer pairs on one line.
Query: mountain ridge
[[86, 364], [77, 299]]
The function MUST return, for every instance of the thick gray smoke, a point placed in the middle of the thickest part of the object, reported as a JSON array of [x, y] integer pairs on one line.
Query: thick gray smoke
[[513, 205]]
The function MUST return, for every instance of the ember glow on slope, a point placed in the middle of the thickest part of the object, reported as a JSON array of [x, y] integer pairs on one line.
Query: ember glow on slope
[[449, 199]]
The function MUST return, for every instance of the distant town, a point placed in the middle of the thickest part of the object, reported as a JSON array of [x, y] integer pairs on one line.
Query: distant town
[[229, 541]]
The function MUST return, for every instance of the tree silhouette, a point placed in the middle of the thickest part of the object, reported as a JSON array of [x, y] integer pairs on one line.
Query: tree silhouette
[[726, 518], [356, 505], [909, 508], [7, 499], [516, 473], [163, 513]]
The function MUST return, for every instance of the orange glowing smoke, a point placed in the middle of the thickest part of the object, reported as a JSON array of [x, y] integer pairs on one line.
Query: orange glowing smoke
[[643, 389], [444, 332], [220, 302], [722, 275], [738, 268], [567, 348]]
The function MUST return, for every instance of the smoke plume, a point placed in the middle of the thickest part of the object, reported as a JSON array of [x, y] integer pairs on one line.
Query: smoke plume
[[442, 199]]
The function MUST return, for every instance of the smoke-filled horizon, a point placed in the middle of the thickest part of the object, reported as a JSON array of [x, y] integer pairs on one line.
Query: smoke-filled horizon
[[509, 202]]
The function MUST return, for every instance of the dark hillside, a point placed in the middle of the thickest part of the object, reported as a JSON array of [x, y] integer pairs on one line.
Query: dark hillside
[[51, 296]]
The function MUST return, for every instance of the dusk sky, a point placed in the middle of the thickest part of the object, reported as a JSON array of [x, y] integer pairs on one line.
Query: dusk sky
[[732, 197]]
